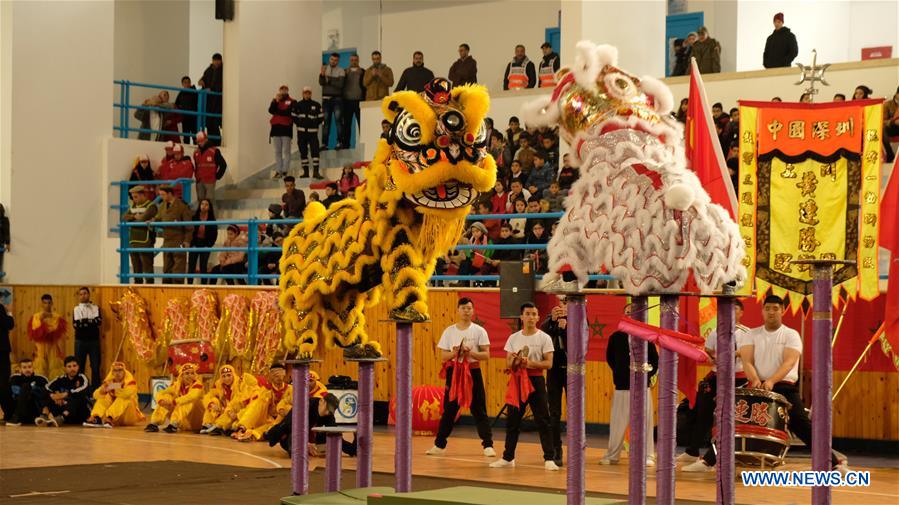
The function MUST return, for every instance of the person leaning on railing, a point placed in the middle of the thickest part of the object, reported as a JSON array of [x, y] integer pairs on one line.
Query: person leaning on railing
[[174, 209], [232, 262], [141, 210], [204, 236]]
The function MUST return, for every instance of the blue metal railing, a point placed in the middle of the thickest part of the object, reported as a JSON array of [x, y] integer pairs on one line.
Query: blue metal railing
[[124, 107]]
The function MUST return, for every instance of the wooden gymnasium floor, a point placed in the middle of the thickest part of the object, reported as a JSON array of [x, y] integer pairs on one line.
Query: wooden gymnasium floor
[[29, 447]]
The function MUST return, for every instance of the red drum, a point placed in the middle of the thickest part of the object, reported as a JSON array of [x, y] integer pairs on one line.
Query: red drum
[[198, 352], [760, 427]]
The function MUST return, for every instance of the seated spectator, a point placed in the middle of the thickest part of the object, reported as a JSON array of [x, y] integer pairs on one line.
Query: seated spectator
[[516, 191], [513, 134], [681, 114], [204, 236], [506, 237], [805, 98], [488, 129], [498, 197], [181, 404], [544, 205], [567, 174], [232, 262], [314, 196], [331, 195], [550, 149], [518, 223], [227, 392], [501, 154], [492, 225], [776, 99], [890, 124], [475, 262], [385, 129], [539, 256], [67, 397], [532, 207], [520, 72], [542, 174], [141, 170], [525, 153], [862, 92], [116, 400], [269, 406], [269, 261], [516, 173], [187, 101], [269, 230], [839, 97], [348, 181], [554, 197], [28, 393], [415, 77], [293, 200]]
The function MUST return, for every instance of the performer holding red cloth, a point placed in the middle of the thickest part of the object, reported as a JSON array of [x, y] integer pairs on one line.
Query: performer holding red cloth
[[462, 347], [528, 353]]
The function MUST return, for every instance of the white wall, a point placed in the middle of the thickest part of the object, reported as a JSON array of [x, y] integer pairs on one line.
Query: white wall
[[720, 17], [491, 28], [6, 25], [206, 37], [358, 22], [151, 42], [61, 67], [836, 29]]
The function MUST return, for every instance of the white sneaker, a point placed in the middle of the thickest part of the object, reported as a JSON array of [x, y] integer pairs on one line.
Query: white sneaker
[[650, 462], [607, 461], [106, 425], [698, 467], [843, 468], [54, 421], [206, 429], [686, 458], [501, 463], [435, 451], [41, 420], [489, 452], [550, 466]]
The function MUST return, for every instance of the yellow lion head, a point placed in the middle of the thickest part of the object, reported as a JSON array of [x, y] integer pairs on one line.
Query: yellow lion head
[[435, 157]]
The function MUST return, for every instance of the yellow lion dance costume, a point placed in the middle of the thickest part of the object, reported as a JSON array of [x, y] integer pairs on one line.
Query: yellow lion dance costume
[[409, 212]]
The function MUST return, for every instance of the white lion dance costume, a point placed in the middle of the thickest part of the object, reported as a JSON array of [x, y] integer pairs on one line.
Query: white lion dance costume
[[636, 209]]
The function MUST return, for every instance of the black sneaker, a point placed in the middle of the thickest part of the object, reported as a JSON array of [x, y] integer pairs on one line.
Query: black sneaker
[[216, 431], [171, 429], [151, 428]]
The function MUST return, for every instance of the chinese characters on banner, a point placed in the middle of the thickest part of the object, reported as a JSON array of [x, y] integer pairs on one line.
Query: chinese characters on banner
[[808, 189]]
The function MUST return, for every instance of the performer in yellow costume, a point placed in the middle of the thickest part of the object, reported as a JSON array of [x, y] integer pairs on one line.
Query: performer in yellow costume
[[47, 329], [181, 403], [316, 388], [388, 237], [227, 397], [272, 401], [116, 400]]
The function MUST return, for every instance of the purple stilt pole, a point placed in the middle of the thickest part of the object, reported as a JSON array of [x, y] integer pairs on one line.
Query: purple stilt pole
[[332, 463], [724, 402], [364, 434], [822, 375], [637, 453], [403, 456], [667, 407], [299, 458], [577, 367]]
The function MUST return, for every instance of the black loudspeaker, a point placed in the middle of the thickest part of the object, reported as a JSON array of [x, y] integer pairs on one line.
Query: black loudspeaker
[[224, 10], [516, 287]]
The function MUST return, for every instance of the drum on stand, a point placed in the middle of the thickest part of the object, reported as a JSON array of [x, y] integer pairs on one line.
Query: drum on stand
[[760, 427]]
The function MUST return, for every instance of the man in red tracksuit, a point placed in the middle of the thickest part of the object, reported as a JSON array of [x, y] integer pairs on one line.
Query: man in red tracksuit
[[210, 167]]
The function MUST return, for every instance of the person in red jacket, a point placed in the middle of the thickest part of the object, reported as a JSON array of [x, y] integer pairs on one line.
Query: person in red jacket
[[179, 168], [281, 134], [210, 167]]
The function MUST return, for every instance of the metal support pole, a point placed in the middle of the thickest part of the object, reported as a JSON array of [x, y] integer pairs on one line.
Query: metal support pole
[[403, 454], [364, 436], [332, 462], [253, 245], [724, 402], [299, 457], [638, 397], [124, 237], [577, 368], [201, 109], [126, 103], [822, 375], [667, 407]]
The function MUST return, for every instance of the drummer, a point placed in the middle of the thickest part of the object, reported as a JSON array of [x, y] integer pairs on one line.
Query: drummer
[[706, 396], [770, 355]]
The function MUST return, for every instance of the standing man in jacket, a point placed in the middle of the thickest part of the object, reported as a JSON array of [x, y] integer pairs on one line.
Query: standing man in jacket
[[209, 166], [187, 101], [353, 93], [174, 209], [87, 320], [212, 80], [308, 116], [556, 326], [781, 47], [520, 72], [549, 65], [142, 210], [281, 133], [378, 78], [331, 79], [415, 77], [707, 52], [465, 69]]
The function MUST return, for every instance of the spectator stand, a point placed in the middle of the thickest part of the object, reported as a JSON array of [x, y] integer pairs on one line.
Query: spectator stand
[[124, 107]]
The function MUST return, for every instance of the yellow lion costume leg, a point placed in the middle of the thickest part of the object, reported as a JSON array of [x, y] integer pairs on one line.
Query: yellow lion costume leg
[[404, 278]]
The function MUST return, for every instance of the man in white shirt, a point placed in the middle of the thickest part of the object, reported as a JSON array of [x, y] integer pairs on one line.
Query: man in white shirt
[[531, 350], [468, 341], [770, 355], [707, 396]]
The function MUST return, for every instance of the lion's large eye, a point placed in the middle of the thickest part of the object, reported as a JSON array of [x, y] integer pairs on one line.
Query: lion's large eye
[[407, 131], [481, 137]]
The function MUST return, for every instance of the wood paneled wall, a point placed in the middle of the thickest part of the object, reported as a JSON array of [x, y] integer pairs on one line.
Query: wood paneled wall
[[867, 408]]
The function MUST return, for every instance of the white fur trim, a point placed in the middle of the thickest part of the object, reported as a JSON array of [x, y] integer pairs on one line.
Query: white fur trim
[[607, 55], [679, 196], [661, 94], [586, 64], [539, 112]]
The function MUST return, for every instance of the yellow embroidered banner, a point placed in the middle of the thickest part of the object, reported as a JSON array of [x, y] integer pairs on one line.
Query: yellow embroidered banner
[[817, 200]]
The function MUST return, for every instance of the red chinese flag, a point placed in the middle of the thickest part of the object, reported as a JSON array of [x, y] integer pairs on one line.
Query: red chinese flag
[[889, 239], [703, 149]]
